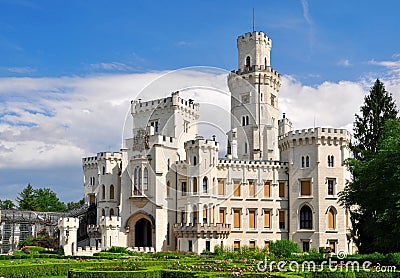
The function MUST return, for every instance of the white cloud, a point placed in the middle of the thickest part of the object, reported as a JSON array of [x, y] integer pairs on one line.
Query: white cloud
[[387, 64], [306, 12], [113, 66], [21, 69], [344, 63]]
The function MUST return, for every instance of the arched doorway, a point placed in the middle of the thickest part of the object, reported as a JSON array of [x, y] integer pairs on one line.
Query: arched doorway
[[141, 230], [143, 233]]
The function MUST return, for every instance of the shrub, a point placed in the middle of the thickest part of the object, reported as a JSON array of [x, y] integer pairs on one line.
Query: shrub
[[117, 249], [283, 248]]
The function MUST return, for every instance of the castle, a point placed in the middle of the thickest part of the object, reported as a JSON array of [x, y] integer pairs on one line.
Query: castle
[[169, 188]]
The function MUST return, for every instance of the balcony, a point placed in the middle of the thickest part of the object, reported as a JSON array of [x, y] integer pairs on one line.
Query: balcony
[[200, 230]]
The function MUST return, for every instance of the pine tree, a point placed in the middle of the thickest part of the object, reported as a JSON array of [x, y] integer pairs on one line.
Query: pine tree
[[26, 199], [378, 107]]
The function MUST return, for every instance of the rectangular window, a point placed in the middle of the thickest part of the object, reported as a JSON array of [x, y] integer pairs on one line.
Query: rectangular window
[[282, 190], [272, 100], [347, 218], [306, 246], [282, 219], [267, 189], [221, 187], [236, 188], [332, 246], [208, 245], [155, 125], [236, 218], [236, 244], [222, 216], [190, 246], [252, 244], [305, 189], [252, 189], [331, 185], [252, 219], [186, 126], [184, 188], [266, 244], [267, 219]]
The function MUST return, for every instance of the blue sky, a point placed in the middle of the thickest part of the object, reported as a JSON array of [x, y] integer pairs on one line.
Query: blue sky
[[68, 69]]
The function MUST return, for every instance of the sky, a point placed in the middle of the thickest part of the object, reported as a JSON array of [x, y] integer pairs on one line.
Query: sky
[[69, 69]]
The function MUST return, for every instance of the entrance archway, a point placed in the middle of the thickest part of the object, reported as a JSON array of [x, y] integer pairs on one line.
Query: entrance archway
[[143, 233], [141, 230]]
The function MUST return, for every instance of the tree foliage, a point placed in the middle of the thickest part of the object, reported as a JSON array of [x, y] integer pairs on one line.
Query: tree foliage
[[374, 194], [378, 107], [373, 185], [7, 204], [75, 205], [26, 199], [41, 199]]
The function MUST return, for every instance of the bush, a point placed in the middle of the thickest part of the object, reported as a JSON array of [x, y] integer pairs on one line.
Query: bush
[[117, 249], [283, 248]]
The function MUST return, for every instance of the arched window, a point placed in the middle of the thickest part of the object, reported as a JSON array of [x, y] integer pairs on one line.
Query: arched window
[[168, 188], [247, 120], [307, 161], [103, 212], [205, 185], [265, 62], [104, 170], [248, 61], [331, 218], [205, 214], [195, 185], [194, 213], [103, 192], [168, 164], [302, 162], [145, 179], [140, 180], [111, 192], [306, 218], [111, 212], [194, 160], [135, 180], [330, 160], [245, 147]]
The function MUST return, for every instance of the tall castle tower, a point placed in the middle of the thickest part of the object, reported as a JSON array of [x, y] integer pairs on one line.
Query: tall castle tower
[[254, 101]]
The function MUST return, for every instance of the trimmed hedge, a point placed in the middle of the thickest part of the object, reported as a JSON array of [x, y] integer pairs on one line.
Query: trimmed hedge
[[49, 269]]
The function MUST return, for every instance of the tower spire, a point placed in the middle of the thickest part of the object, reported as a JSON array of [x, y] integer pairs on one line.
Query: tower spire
[[253, 19]]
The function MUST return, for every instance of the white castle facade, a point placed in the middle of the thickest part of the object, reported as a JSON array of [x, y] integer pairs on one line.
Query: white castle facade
[[169, 189]]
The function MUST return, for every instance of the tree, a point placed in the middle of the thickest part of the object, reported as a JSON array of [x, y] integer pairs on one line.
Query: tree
[[378, 107], [75, 205], [374, 194], [26, 199], [47, 200], [7, 204], [42, 199]]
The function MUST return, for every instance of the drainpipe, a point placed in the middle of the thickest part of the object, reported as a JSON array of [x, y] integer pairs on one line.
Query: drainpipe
[[287, 174], [176, 197]]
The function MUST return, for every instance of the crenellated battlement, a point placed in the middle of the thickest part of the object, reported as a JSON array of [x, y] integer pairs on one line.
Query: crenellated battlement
[[260, 36], [68, 222], [235, 162], [92, 160], [173, 101], [110, 222], [266, 70], [200, 142], [318, 133]]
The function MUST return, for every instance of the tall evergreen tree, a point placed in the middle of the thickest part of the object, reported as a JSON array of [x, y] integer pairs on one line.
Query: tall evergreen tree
[[378, 107], [26, 199]]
